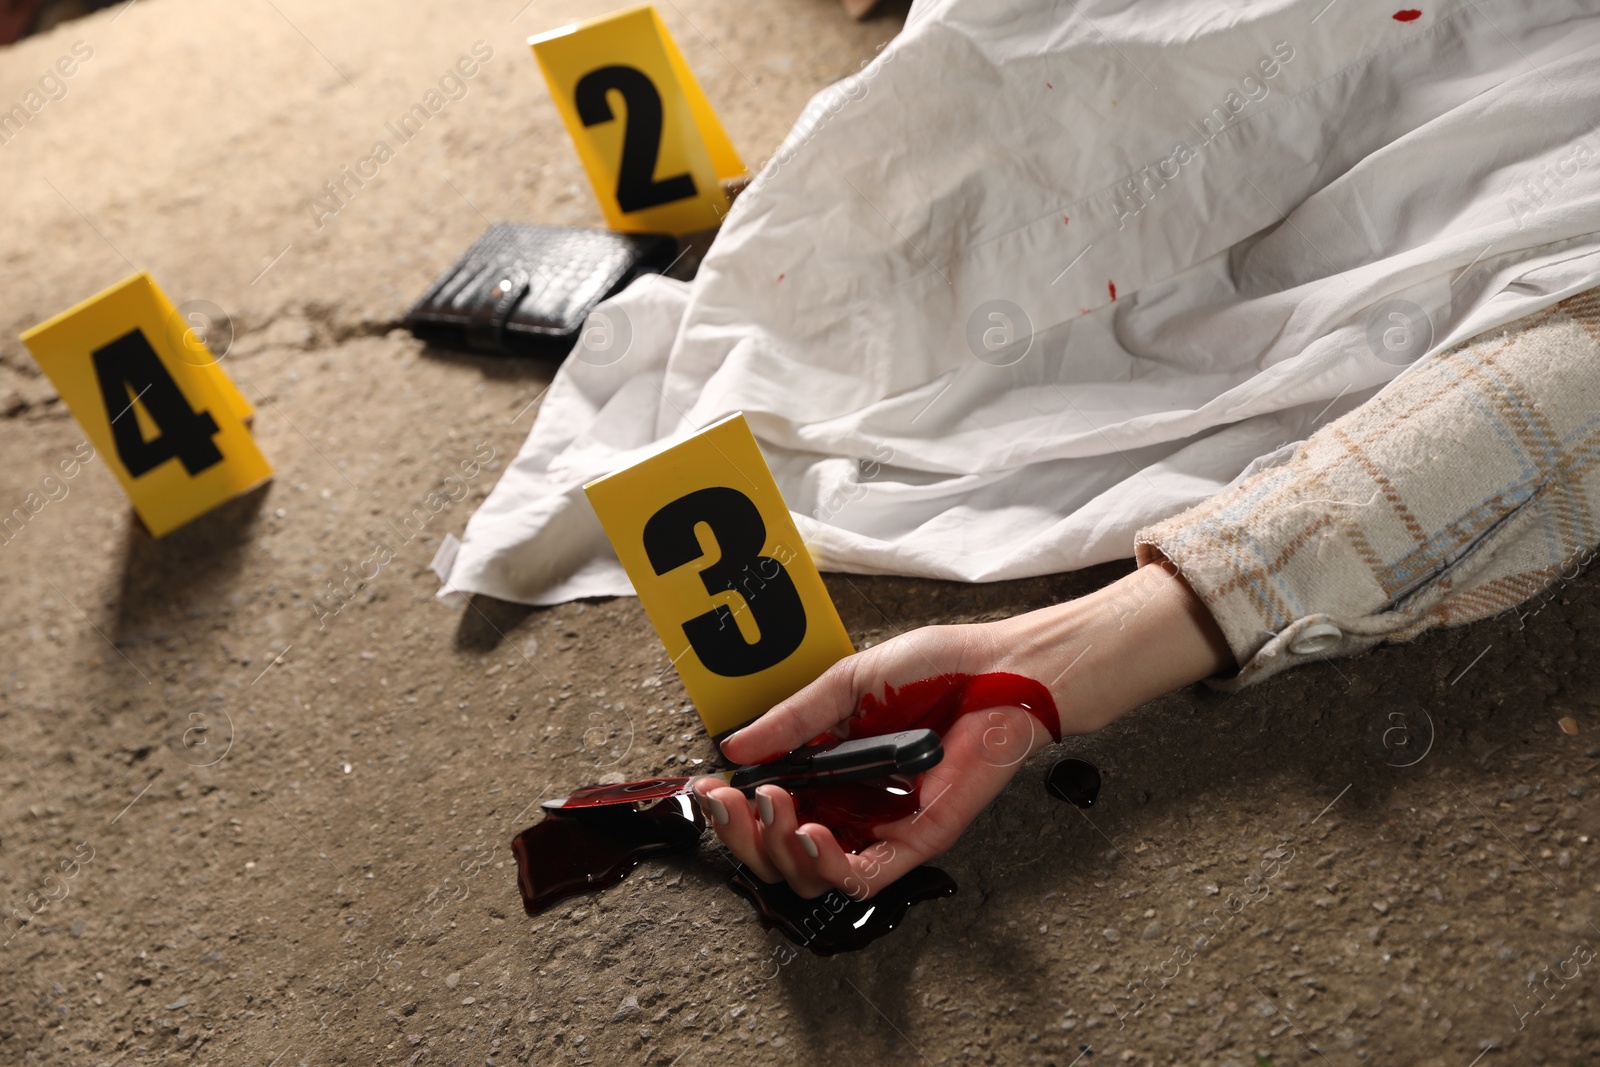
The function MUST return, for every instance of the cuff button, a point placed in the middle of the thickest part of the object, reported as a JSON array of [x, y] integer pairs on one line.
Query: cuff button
[[1318, 637]]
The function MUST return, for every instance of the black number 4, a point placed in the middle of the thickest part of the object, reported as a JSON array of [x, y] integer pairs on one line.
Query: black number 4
[[637, 187], [128, 370], [760, 581]]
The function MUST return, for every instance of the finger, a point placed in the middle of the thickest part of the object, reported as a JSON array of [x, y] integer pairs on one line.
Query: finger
[[831, 861], [735, 825], [820, 706], [786, 850], [878, 866]]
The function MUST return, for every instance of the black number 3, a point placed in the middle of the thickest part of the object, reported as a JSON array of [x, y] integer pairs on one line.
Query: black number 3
[[129, 369], [760, 581], [637, 187]]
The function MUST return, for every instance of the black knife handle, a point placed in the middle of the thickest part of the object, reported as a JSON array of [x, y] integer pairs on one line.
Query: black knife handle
[[907, 752]]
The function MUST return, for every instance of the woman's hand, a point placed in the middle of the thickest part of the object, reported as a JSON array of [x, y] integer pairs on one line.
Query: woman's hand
[[1099, 656], [981, 753]]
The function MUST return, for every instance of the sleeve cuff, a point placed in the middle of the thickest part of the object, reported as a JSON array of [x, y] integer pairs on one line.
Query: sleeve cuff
[[1462, 489]]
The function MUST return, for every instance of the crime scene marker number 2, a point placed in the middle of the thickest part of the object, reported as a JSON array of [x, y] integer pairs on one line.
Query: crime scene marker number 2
[[637, 186], [654, 150]]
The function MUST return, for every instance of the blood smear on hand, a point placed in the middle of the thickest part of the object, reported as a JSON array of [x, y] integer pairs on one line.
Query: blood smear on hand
[[854, 810]]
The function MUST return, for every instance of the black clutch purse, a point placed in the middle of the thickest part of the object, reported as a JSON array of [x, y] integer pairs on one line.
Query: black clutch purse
[[526, 290]]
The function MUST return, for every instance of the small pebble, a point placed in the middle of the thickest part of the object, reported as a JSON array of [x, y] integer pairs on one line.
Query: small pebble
[[1569, 725], [452, 979]]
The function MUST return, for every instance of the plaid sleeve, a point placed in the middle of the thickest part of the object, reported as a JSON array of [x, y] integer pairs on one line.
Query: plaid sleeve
[[1462, 489]]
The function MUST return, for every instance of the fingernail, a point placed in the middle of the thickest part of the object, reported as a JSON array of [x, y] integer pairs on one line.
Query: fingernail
[[764, 807], [713, 807], [806, 843]]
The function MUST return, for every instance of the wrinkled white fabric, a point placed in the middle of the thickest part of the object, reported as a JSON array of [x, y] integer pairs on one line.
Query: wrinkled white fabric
[[1257, 182]]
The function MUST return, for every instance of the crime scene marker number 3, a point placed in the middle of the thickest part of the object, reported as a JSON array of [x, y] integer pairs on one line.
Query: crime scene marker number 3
[[775, 605], [713, 553]]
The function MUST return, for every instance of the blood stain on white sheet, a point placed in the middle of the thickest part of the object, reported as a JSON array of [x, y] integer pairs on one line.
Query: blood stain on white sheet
[[1113, 287], [1409, 14]]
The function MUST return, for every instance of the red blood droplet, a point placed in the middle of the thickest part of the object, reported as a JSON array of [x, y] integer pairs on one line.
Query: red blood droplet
[[1410, 14], [1113, 287], [782, 276], [1047, 85], [1065, 220]]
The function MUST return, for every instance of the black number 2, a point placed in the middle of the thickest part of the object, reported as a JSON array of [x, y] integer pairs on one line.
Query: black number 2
[[128, 369], [760, 581], [637, 187]]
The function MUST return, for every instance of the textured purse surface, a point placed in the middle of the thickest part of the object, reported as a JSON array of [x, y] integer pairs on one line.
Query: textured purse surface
[[523, 288]]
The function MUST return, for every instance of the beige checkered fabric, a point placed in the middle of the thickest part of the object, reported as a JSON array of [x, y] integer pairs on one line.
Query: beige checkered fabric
[[1461, 490]]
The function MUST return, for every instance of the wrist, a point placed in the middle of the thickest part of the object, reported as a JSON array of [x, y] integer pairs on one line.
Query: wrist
[[1120, 647]]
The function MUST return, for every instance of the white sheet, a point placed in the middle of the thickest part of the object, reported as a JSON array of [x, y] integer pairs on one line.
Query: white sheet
[[1040, 154]]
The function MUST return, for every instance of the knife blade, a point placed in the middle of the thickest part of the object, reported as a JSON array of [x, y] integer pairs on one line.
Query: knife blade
[[906, 752]]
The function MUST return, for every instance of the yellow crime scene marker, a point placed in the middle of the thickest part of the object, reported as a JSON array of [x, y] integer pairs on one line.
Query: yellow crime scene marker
[[720, 569], [153, 400], [654, 150]]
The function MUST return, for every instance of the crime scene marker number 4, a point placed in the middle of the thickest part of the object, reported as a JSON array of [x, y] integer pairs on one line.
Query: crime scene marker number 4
[[153, 400], [130, 371]]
